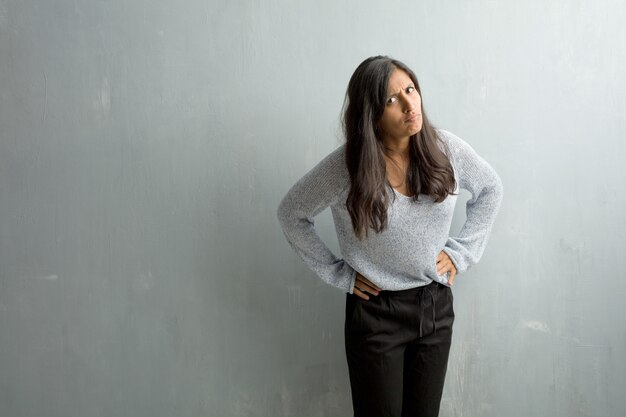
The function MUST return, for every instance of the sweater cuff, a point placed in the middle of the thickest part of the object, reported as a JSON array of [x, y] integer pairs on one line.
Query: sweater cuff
[[350, 289], [456, 258]]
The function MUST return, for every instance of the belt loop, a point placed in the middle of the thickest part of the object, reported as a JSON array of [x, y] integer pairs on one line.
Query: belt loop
[[432, 297], [420, 293]]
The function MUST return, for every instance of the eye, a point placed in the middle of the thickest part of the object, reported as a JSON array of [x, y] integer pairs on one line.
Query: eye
[[392, 100], [410, 89]]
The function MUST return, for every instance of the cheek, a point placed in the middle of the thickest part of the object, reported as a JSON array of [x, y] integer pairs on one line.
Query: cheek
[[385, 120]]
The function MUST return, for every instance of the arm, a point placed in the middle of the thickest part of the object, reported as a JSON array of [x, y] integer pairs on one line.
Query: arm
[[316, 190], [482, 181]]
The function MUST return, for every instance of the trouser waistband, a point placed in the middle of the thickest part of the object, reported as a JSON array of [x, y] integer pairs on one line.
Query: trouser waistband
[[419, 293]]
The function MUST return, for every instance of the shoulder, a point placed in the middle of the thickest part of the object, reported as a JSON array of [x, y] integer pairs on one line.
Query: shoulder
[[338, 154], [329, 159], [334, 161], [458, 147], [450, 138], [331, 169], [470, 163]]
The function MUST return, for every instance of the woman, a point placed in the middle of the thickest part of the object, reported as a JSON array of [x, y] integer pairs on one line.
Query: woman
[[392, 187]]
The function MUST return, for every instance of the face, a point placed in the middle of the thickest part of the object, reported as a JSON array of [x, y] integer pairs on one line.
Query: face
[[402, 117]]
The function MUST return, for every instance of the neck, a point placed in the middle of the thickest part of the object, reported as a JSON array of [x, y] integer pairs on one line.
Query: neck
[[397, 147]]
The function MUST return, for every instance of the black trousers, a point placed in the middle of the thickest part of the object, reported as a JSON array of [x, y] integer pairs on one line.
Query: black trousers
[[397, 345]]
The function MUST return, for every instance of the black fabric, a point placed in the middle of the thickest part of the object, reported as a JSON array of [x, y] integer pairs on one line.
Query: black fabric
[[397, 345]]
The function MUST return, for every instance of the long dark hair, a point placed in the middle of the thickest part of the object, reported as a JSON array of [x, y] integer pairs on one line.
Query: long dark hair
[[429, 172]]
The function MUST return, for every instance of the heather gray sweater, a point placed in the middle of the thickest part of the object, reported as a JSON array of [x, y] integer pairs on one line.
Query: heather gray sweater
[[404, 255]]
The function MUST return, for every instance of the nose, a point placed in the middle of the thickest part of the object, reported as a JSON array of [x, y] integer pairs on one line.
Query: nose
[[407, 104]]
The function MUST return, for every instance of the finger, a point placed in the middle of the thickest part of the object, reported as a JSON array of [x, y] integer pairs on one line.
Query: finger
[[452, 275], [369, 283], [360, 293], [442, 258], [443, 266], [364, 286]]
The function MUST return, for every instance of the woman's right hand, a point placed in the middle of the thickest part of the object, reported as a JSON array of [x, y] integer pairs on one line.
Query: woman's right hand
[[363, 285]]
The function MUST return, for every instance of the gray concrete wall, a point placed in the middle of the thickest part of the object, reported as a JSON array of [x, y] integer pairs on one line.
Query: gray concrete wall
[[144, 147]]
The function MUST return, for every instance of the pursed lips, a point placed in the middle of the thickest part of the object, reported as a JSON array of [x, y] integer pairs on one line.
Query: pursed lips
[[412, 118]]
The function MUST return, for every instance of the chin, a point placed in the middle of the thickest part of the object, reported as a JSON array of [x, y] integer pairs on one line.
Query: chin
[[416, 131]]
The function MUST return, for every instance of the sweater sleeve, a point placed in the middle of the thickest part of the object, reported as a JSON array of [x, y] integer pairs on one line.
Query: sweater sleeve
[[315, 191], [481, 180]]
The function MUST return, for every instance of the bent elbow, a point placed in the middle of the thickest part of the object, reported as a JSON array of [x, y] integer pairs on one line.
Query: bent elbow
[[282, 211], [498, 189]]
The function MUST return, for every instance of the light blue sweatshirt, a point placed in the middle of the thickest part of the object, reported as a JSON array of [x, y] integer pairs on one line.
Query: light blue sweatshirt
[[405, 254]]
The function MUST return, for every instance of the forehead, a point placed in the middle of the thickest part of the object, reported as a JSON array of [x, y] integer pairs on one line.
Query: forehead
[[398, 80]]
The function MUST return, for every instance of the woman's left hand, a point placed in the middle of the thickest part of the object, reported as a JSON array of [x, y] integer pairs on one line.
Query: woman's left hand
[[444, 264]]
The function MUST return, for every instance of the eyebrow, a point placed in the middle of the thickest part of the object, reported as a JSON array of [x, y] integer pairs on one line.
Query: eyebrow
[[393, 94]]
